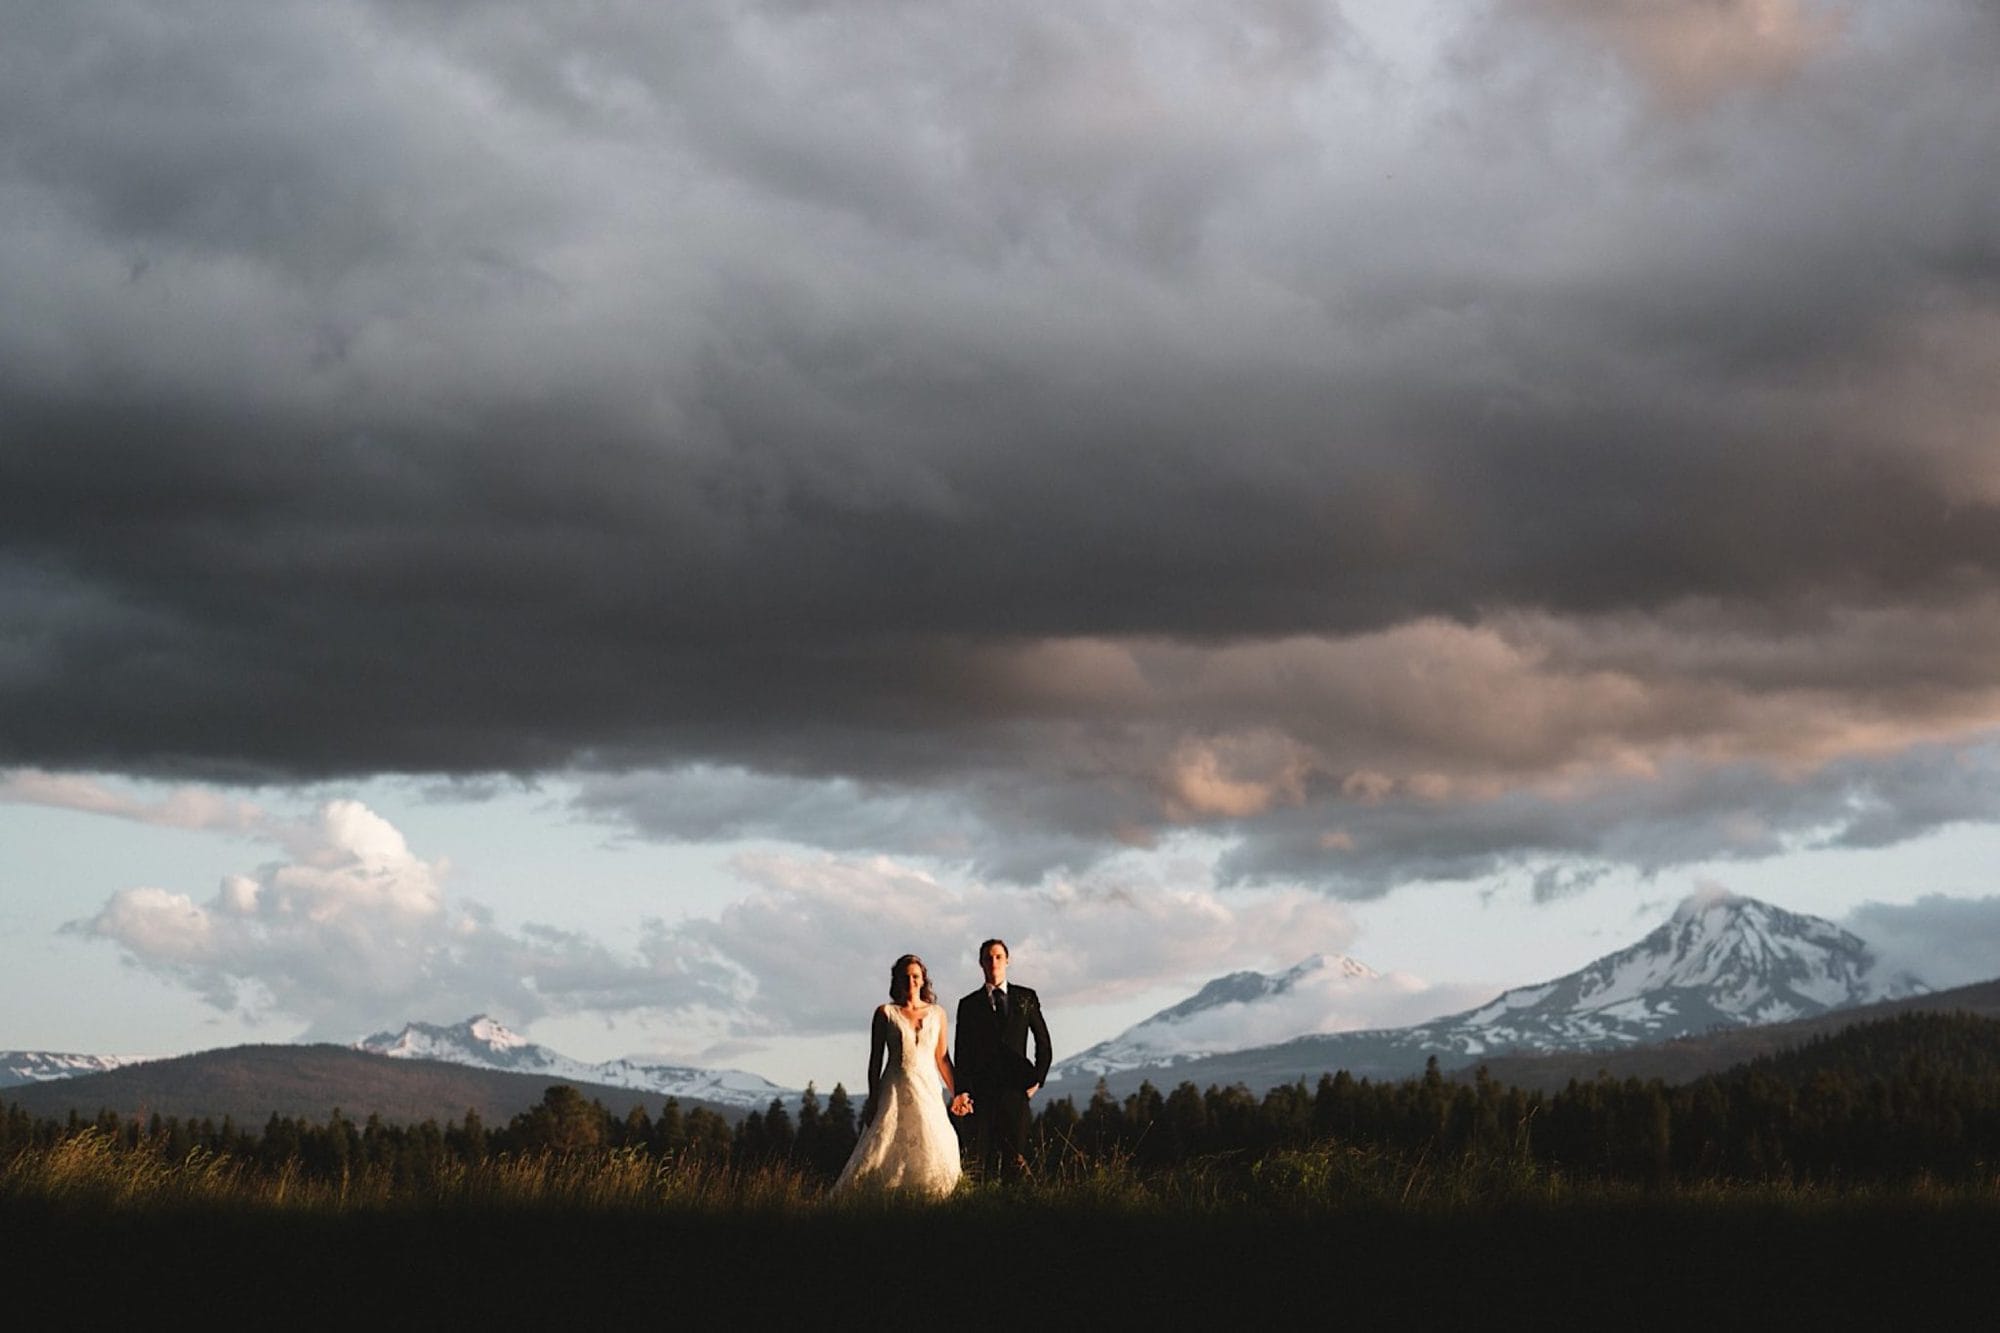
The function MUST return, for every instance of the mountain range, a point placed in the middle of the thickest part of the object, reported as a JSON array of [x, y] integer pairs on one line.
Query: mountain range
[[23, 1067], [484, 1043], [1720, 961], [1684, 1059]]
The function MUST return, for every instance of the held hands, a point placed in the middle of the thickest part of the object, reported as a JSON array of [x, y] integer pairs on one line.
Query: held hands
[[962, 1104]]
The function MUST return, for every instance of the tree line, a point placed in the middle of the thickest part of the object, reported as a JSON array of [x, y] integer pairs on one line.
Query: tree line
[[1907, 1097], [1916, 1095]]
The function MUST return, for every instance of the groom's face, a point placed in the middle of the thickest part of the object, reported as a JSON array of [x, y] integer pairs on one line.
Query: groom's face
[[994, 964]]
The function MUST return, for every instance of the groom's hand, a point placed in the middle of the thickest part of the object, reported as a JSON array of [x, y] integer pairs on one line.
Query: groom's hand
[[1032, 1091], [962, 1104]]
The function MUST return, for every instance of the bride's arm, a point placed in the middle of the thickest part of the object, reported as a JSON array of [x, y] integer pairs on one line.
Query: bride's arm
[[878, 1047], [943, 1059]]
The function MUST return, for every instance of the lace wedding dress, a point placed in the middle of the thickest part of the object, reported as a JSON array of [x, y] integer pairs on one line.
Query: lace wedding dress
[[910, 1144]]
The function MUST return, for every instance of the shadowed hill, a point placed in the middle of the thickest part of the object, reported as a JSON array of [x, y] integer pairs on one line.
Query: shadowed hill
[[249, 1083]]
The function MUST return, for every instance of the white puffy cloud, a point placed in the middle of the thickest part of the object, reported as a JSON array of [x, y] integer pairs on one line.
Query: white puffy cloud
[[353, 930], [810, 945], [1325, 1000]]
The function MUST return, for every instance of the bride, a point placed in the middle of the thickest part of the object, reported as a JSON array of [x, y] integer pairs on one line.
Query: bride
[[907, 1141]]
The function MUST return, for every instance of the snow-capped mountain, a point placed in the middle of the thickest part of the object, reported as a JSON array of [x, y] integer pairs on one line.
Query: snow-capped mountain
[[1232, 1012], [1720, 960], [484, 1043], [19, 1067]]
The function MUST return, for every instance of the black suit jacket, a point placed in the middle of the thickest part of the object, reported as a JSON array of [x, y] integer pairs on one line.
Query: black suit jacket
[[992, 1056]]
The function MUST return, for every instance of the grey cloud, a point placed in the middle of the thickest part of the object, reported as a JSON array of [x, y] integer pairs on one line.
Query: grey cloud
[[1947, 941], [1009, 826], [745, 391], [1687, 813]]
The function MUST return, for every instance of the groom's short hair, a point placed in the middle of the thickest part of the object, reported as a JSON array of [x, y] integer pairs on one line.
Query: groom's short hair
[[1005, 952]]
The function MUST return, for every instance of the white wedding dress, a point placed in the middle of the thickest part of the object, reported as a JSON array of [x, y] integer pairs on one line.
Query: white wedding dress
[[910, 1144]]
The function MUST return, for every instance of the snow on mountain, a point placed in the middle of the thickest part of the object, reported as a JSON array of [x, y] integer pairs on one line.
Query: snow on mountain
[[21, 1067], [485, 1043], [1720, 960], [1244, 1009]]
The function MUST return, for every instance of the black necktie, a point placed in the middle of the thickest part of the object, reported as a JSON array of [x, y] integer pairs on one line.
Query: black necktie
[[1000, 1004]]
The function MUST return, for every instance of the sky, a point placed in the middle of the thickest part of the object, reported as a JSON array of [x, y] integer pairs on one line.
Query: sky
[[629, 517]]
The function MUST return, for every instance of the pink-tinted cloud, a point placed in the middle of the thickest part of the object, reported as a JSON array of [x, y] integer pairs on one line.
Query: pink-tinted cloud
[[186, 807], [1689, 52]]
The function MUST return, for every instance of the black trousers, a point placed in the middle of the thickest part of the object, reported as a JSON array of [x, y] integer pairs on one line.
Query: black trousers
[[1000, 1131]]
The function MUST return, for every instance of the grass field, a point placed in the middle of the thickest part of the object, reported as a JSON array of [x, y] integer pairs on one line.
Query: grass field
[[90, 1233]]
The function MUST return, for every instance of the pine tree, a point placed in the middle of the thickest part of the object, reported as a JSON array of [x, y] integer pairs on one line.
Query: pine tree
[[709, 1136], [778, 1132], [749, 1147], [562, 1121], [806, 1141], [837, 1132], [637, 1131], [472, 1138], [669, 1131]]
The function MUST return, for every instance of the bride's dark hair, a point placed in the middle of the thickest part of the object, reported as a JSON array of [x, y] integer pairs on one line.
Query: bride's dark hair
[[899, 981]]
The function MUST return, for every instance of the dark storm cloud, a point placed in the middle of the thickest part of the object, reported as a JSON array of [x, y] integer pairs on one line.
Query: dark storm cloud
[[1689, 813], [823, 393]]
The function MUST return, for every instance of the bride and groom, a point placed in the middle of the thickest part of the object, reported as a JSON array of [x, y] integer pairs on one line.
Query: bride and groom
[[907, 1140]]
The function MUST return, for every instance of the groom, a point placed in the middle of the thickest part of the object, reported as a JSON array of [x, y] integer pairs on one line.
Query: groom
[[993, 1066]]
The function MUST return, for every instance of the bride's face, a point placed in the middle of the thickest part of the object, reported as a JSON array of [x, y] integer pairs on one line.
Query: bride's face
[[913, 983]]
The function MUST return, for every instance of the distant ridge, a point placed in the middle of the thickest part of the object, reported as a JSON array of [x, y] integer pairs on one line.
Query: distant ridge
[[480, 1042], [250, 1083], [483, 1042]]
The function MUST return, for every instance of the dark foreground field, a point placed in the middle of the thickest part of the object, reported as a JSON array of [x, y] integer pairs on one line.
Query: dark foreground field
[[988, 1262], [1851, 1183]]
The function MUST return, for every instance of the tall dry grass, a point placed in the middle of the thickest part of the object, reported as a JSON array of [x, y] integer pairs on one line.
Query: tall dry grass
[[91, 1171]]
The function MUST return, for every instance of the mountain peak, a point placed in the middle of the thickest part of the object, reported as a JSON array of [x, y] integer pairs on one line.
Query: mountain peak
[[1709, 898], [492, 1032], [1721, 960]]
